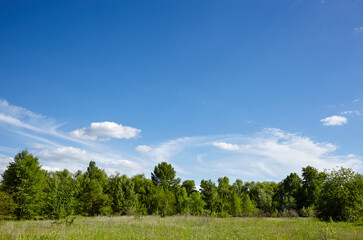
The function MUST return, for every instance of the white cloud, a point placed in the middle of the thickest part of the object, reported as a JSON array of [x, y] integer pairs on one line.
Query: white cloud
[[334, 121], [226, 146], [165, 151], [268, 155], [41, 134], [81, 134], [358, 30], [38, 146], [105, 131], [24, 122], [23, 118], [65, 155], [51, 169], [346, 112], [143, 148], [13, 121], [75, 159], [351, 112]]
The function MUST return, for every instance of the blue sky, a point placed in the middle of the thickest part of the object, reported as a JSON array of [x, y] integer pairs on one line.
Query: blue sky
[[246, 89]]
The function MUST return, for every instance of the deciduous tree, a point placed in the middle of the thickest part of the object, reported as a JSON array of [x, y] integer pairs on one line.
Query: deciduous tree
[[341, 196]]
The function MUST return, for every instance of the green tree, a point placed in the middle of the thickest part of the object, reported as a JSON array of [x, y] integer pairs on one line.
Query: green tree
[[117, 195], [261, 193], [143, 188], [123, 196], [162, 201], [189, 186], [287, 192], [181, 197], [311, 185], [236, 205], [60, 194], [24, 180], [248, 208], [291, 185], [208, 192], [7, 204], [264, 201], [164, 175], [196, 203], [239, 188], [93, 197], [341, 196], [224, 196]]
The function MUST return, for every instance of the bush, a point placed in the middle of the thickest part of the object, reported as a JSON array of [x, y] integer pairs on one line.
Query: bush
[[288, 213], [303, 212], [311, 211]]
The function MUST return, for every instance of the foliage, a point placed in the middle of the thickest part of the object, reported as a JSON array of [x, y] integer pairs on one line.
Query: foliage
[[196, 204], [209, 194], [164, 175], [341, 196], [287, 192], [181, 200], [311, 186], [93, 187], [189, 186], [307, 212], [247, 207], [122, 195], [163, 201], [7, 205], [24, 180], [27, 191], [223, 196], [60, 190]]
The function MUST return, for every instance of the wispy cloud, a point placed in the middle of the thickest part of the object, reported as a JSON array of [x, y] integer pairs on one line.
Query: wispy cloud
[[25, 122], [105, 131], [58, 150], [226, 146], [270, 154], [358, 30], [143, 148], [334, 121], [23, 118], [74, 159], [267, 155], [350, 112]]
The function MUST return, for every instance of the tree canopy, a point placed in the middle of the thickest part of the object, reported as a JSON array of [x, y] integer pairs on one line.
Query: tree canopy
[[24, 180], [27, 191], [164, 175]]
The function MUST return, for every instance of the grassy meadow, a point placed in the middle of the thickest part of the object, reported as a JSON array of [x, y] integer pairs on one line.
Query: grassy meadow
[[180, 227]]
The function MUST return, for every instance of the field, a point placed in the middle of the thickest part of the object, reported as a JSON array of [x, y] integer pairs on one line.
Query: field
[[179, 227]]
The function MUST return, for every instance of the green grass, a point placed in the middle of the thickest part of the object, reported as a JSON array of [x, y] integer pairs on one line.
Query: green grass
[[179, 227]]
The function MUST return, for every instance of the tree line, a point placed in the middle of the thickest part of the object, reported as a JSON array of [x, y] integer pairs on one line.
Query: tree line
[[27, 191]]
